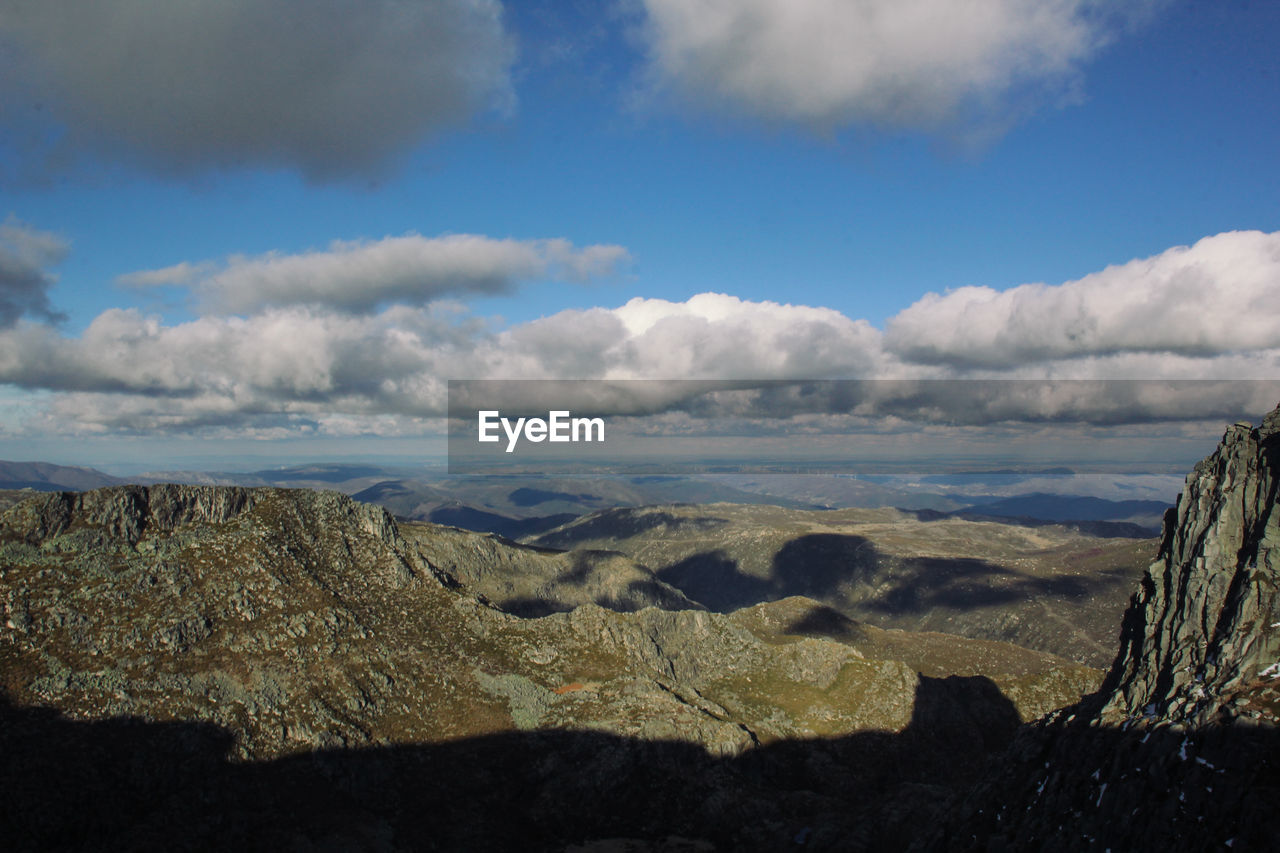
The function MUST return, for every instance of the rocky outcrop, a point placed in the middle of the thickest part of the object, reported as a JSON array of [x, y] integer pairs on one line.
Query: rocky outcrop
[[125, 512], [1204, 625], [1180, 748]]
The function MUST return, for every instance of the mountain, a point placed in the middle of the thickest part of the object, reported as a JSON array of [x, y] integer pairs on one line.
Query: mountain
[[46, 477], [1069, 508], [1179, 749], [186, 667], [1045, 587]]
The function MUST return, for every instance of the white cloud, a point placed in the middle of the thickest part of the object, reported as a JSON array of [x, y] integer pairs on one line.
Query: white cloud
[[358, 276], [1204, 312], [130, 371], [334, 88], [1188, 304], [26, 254], [897, 63], [714, 335]]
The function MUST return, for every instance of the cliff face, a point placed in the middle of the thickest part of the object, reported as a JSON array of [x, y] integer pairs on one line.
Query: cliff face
[[1180, 748], [1203, 626]]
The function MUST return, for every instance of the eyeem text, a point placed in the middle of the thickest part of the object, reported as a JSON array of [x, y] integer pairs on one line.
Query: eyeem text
[[558, 426]]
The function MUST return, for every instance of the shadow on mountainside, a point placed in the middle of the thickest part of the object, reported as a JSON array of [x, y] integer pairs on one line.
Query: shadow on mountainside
[[948, 781], [713, 579], [583, 567], [847, 570], [1100, 528], [128, 783]]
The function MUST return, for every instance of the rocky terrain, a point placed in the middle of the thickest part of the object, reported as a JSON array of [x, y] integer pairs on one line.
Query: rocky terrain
[[185, 663], [1180, 749], [192, 667], [1042, 586]]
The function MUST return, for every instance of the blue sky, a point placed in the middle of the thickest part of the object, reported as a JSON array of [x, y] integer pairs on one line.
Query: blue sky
[[347, 203]]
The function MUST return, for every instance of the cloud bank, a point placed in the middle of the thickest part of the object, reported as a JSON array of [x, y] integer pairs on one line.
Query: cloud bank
[[308, 356], [893, 63], [357, 276], [130, 371], [335, 88], [1214, 298]]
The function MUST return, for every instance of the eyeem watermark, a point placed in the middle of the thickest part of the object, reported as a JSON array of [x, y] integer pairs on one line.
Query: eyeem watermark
[[558, 426], [1023, 428]]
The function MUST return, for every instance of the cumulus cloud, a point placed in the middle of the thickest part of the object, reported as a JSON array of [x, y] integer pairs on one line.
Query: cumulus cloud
[[357, 276], [26, 254], [334, 88], [131, 371], [896, 63], [711, 335], [1213, 299], [1200, 313]]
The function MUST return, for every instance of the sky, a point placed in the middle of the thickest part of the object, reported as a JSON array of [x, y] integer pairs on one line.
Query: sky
[[277, 229]]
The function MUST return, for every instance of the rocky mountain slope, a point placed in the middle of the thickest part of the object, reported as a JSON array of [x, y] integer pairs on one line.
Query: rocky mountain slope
[[1180, 749], [186, 666], [529, 581], [1040, 586]]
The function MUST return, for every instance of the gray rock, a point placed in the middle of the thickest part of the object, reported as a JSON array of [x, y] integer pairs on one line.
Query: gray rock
[[1201, 626]]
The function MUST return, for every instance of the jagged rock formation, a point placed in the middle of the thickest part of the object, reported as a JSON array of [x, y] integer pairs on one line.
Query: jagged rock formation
[[183, 666], [1204, 624], [1180, 749]]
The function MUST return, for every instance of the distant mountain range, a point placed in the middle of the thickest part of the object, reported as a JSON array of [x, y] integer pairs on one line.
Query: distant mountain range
[[46, 477], [1067, 508], [520, 507]]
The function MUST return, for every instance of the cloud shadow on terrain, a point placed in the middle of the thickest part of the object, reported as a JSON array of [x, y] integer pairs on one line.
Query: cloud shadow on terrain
[[140, 785], [827, 566], [1103, 529], [823, 621], [712, 578], [583, 565]]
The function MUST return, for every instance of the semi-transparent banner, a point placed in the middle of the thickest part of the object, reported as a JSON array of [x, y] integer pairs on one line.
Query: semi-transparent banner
[[859, 427]]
